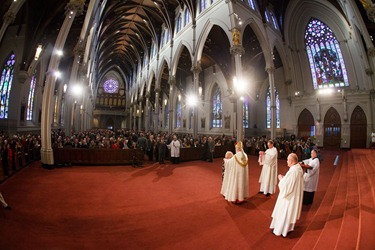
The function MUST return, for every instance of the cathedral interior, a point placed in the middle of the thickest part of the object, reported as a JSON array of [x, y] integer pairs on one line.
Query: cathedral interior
[[273, 68]]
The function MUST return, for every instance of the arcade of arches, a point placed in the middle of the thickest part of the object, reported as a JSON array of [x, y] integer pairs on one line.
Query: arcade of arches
[[241, 68]]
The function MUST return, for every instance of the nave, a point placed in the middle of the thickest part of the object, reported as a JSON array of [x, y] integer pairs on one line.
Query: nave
[[180, 207]]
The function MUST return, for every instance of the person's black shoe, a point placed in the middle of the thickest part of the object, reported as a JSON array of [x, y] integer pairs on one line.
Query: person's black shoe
[[268, 194]]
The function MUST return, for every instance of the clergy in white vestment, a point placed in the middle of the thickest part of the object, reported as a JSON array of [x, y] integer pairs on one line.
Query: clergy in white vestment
[[268, 176], [289, 202], [175, 150], [311, 177], [235, 186]]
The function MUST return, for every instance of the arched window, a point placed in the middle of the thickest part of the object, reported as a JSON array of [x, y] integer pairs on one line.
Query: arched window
[[268, 105], [110, 86], [246, 113], [252, 4], [202, 5], [187, 16], [30, 101], [217, 108], [178, 114], [6, 85], [266, 16], [179, 22], [274, 22], [325, 57]]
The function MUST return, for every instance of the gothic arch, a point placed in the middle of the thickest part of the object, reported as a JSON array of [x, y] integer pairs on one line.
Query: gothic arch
[[332, 129], [305, 123], [358, 128]]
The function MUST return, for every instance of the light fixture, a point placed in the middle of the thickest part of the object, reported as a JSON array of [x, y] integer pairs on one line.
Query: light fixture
[[65, 88], [200, 91], [59, 52], [192, 100], [179, 97], [165, 102], [57, 74], [37, 53]]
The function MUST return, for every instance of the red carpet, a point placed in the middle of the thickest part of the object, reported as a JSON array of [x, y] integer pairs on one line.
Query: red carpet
[[175, 207]]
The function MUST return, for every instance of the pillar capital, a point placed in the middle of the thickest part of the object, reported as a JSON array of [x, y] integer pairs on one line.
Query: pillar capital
[[270, 70], [237, 50], [172, 80], [75, 6], [371, 52], [196, 69]]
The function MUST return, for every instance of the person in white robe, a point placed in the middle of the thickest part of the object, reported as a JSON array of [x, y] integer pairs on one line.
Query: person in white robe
[[268, 176], [175, 150], [311, 177], [2, 201], [289, 202], [235, 186]]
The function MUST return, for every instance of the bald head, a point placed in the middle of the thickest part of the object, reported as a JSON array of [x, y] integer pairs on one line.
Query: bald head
[[292, 159]]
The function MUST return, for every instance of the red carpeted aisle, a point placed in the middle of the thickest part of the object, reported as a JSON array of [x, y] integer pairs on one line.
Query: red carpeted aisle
[[153, 207]]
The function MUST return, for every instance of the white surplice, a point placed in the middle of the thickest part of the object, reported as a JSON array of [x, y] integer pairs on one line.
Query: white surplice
[[312, 175], [289, 202], [268, 176], [235, 185]]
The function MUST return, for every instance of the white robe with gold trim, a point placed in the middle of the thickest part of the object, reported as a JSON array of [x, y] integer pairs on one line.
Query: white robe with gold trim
[[236, 179]]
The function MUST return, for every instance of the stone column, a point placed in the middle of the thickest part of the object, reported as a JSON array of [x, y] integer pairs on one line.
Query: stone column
[[172, 85], [237, 51], [156, 114], [147, 112], [196, 71], [10, 16], [140, 115], [271, 78], [73, 8]]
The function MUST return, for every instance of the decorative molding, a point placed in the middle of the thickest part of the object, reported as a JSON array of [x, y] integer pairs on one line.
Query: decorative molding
[[237, 50], [75, 5], [9, 17]]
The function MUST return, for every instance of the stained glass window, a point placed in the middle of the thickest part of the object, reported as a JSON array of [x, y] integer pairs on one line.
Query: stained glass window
[[266, 16], [166, 116], [252, 4], [246, 113], [217, 108], [6, 85], [110, 86], [30, 101], [202, 5], [325, 57], [268, 105], [178, 114], [273, 18], [179, 22], [187, 17]]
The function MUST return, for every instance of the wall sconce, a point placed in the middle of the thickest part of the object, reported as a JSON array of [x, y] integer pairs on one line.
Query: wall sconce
[[200, 91], [165, 102], [38, 51], [65, 88], [81, 106], [179, 97]]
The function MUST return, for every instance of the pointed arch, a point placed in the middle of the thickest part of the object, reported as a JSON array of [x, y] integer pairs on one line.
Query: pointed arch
[[358, 128], [217, 107], [324, 54], [6, 85], [30, 100], [306, 126], [268, 107], [332, 129]]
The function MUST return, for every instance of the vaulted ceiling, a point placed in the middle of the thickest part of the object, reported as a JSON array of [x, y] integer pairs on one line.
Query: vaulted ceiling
[[126, 31]]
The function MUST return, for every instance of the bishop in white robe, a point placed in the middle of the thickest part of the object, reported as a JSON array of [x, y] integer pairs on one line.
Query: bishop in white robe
[[268, 176], [235, 187], [289, 202]]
